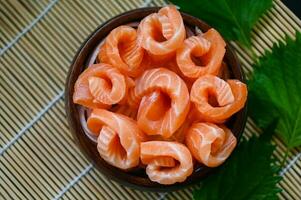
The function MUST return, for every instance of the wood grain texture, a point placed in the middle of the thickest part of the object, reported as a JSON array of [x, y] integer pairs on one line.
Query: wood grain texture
[[42, 160]]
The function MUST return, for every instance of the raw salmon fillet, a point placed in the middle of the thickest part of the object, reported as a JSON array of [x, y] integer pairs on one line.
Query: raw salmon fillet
[[231, 96], [163, 32], [152, 108], [102, 56], [124, 110], [100, 86], [167, 162], [119, 138], [207, 48], [210, 144], [172, 65], [175, 88], [122, 49]]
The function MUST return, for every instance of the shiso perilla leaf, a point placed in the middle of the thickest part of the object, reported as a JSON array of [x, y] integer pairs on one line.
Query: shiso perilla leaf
[[275, 90], [234, 19], [249, 174]]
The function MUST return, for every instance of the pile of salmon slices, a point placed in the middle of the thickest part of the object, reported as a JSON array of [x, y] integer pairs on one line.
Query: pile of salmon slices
[[158, 98]]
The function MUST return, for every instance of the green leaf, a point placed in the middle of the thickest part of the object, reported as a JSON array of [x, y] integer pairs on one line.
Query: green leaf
[[249, 174], [275, 90], [234, 19], [269, 131]]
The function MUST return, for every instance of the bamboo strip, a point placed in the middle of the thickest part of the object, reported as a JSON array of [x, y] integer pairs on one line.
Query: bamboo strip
[[56, 161]]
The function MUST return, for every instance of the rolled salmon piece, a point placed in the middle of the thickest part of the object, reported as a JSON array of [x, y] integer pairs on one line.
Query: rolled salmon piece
[[216, 100], [100, 86], [167, 162], [210, 144], [163, 32], [119, 138], [175, 107], [122, 49], [208, 51]]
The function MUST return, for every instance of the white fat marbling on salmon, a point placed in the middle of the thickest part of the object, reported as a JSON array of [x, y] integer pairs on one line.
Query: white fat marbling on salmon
[[174, 152], [116, 125], [169, 21], [201, 137], [100, 86], [171, 84], [124, 51], [231, 97], [208, 47]]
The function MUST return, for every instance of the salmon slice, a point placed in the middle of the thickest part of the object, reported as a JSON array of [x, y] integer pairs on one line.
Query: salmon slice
[[163, 32], [194, 115], [159, 34], [102, 55], [173, 66], [231, 96], [159, 59], [119, 138], [150, 114], [100, 86], [174, 88], [178, 136], [210, 144], [164, 161], [123, 50], [166, 26], [208, 49], [167, 162], [124, 110], [152, 110]]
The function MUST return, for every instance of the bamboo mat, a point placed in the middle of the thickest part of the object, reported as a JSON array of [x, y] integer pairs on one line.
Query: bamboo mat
[[38, 157]]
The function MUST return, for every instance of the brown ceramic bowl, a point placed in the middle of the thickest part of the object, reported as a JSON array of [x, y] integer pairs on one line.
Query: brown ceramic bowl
[[86, 56]]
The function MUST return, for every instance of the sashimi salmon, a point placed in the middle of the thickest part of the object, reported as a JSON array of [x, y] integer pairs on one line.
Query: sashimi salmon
[[124, 110], [100, 86], [174, 88], [102, 56], [163, 32], [119, 138], [231, 96], [210, 144], [158, 99], [152, 108], [122, 49], [173, 66], [167, 162], [208, 49]]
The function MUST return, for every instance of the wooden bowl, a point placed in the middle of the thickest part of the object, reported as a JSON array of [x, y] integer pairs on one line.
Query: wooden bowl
[[86, 55]]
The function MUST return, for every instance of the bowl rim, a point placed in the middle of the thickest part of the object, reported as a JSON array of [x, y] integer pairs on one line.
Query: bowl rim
[[70, 106]]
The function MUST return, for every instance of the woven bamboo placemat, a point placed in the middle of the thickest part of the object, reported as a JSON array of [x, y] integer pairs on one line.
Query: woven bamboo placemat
[[38, 157]]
